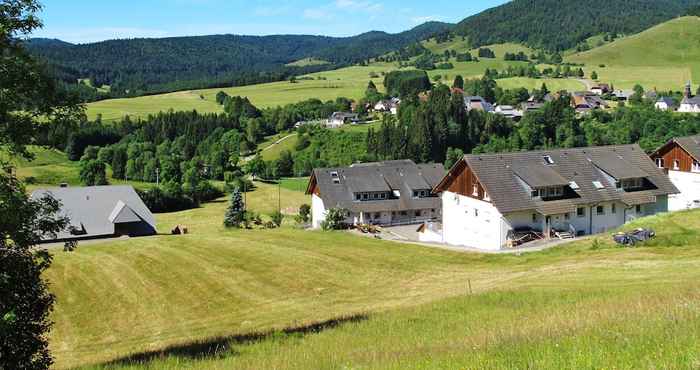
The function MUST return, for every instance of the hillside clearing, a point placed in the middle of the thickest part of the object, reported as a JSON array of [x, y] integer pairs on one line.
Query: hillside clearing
[[127, 297], [665, 56]]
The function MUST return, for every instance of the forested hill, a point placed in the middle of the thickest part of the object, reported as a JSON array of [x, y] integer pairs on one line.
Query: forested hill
[[562, 24], [138, 66]]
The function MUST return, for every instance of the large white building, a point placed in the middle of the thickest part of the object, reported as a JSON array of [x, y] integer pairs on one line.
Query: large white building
[[689, 104], [498, 200], [380, 193], [680, 158]]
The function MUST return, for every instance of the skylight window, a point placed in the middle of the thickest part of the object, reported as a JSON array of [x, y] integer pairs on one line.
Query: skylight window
[[574, 185], [548, 160], [598, 185]]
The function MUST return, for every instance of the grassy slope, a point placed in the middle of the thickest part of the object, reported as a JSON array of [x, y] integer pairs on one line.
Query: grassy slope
[[51, 167], [348, 82], [665, 57], [143, 294]]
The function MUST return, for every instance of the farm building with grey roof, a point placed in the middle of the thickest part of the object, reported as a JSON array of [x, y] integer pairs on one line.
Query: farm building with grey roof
[[382, 193], [101, 212], [487, 199]]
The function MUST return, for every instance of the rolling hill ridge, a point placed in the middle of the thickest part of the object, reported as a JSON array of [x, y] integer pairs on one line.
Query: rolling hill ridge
[[558, 25], [139, 66]]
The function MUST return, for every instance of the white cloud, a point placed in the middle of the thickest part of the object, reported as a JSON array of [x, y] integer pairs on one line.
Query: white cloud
[[318, 14], [364, 6]]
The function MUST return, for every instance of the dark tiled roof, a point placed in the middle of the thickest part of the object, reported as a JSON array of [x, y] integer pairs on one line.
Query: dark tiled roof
[[691, 144], [539, 175], [400, 177], [582, 166]]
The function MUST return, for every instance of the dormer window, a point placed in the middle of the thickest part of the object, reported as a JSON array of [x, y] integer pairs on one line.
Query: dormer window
[[631, 184], [660, 162], [548, 160]]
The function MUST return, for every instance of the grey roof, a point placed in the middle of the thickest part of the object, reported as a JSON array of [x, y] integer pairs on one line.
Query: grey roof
[[499, 173], [690, 144], [96, 209], [539, 175], [667, 100], [692, 101], [402, 176]]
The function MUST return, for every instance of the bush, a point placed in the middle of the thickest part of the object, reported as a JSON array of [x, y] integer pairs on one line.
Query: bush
[[277, 218], [206, 191], [335, 219], [305, 213], [159, 201]]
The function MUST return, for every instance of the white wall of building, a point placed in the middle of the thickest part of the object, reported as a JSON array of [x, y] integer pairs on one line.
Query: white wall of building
[[688, 183], [471, 222], [478, 224], [318, 211], [689, 108]]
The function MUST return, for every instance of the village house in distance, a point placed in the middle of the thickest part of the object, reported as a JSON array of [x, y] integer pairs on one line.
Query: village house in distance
[[381, 193], [680, 158], [497, 200], [101, 212]]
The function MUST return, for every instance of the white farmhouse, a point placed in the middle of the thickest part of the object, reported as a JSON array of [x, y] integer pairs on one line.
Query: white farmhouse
[[689, 104], [499, 200], [680, 158], [664, 103], [338, 119], [380, 193]]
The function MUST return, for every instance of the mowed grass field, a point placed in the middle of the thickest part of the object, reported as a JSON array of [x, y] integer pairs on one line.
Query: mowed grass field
[[350, 82], [665, 57], [329, 300]]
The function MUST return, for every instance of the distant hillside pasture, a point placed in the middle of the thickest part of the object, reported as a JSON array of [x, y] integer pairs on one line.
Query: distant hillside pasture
[[307, 62], [665, 57], [589, 304], [348, 82], [116, 109], [553, 84]]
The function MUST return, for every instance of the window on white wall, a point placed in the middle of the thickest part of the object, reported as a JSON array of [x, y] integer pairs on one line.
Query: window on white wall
[[600, 210], [580, 212], [696, 166], [613, 208]]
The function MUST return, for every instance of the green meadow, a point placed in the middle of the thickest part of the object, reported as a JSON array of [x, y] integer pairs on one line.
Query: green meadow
[[289, 298], [665, 57]]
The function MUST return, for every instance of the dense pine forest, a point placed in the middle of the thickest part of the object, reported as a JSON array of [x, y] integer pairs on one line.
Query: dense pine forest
[[557, 25], [144, 66]]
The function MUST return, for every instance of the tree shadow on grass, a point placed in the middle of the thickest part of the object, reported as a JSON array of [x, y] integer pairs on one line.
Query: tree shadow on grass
[[223, 346]]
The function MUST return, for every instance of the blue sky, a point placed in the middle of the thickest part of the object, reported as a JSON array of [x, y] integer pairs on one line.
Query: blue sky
[[82, 21]]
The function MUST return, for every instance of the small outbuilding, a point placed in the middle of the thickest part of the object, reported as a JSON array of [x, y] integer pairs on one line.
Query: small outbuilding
[[101, 212]]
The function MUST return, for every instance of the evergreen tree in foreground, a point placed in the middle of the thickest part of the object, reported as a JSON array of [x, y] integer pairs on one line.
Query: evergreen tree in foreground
[[235, 213]]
